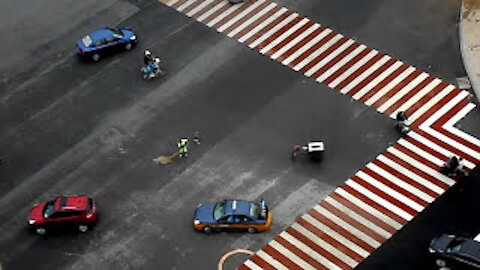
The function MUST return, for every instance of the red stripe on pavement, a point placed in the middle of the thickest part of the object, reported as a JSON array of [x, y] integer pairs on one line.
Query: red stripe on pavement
[[408, 95], [360, 70], [396, 88], [347, 65], [435, 108], [324, 54], [374, 204], [280, 257], [335, 60], [327, 238], [206, 8], [417, 105], [244, 267], [192, 6], [179, 3], [312, 49], [425, 148], [302, 254], [416, 171], [329, 223], [278, 33], [405, 178], [363, 213], [372, 76], [290, 37], [395, 187], [258, 21], [246, 17], [233, 14], [384, 195], [383, 83], [414, 155], [354, 223], [262, 263], [450, 148], [301, 43], [268, 27], [216, 13]]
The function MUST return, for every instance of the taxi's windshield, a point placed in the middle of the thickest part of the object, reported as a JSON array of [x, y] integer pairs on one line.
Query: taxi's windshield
[[48, 209], [219, 210]]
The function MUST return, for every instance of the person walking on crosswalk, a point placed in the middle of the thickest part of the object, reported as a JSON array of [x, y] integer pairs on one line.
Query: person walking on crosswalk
[[183, 147]]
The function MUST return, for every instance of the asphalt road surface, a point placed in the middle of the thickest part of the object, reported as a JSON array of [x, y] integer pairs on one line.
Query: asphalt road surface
[[69, 127]]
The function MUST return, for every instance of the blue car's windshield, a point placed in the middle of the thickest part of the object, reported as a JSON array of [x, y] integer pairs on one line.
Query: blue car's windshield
[[218, 210], [87, 41], [116, 32], [48, 209], [254, 210]]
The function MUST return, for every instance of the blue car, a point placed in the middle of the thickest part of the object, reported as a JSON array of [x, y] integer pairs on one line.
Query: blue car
[[106, 41], [233, 215]]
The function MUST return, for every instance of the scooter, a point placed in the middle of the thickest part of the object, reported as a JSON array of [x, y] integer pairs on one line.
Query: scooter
[[452, 168], [403, 127], [314, 150], [149, 73]]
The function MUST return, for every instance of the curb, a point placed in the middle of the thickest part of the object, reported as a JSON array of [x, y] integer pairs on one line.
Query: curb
[[463, 51]]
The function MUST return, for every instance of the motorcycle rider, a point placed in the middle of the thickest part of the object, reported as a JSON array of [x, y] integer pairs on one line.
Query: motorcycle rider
[[147, 57], [402, 125]]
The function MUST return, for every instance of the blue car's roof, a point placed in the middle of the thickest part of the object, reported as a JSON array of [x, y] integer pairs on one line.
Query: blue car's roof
[[100, 34], [241, 207]]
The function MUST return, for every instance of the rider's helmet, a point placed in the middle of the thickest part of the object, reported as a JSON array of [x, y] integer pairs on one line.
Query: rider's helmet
[[157, 60], [147, 53]]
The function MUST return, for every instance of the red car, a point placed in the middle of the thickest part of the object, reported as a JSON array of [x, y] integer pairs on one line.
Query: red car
[[80, 212]]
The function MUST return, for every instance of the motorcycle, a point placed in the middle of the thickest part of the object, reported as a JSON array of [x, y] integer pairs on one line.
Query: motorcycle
[[149, 72], [403, 127]]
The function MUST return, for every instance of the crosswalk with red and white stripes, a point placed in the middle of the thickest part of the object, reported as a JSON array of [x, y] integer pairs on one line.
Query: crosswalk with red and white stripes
[[363, 213]]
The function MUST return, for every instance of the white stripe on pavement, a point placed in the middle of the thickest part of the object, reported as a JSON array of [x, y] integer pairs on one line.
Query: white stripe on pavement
[[260, 26], [270, 260], [329, 57], [306, 46], [361, 235], [314, 254], [390, 191], [330, 232], [351, 213], [284, 35], [294, 41], [251, 20], [400, 183], [273, 30], [353, 68], [290, 255], [365, 74], [223, 15], [421, 166], [212, 10], [434, 100], [388, 205], [185, 5], [390, 86], [377, 80], [341, 63], [240, 15], [411, 174], [362, 205], [317, 52], [199, 7]]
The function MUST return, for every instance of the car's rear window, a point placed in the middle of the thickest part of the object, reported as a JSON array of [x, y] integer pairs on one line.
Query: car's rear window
[[87, 41]]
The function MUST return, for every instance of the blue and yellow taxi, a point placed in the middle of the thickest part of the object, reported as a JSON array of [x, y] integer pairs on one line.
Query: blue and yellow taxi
[[233, 215]]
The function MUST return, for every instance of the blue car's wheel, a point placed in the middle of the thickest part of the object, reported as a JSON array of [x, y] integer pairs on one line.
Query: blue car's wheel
[[96, 57], [128, 46]]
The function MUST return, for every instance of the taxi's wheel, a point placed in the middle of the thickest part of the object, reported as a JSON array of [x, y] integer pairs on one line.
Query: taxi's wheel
[[440, 263], [128, 46], [40, 231], [207, 229], [96, 57], [83, 228], [251, 230]]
